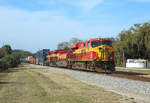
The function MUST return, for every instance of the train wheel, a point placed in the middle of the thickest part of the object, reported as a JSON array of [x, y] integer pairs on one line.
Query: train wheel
[[108, 71], [69, 67], [99, 70]]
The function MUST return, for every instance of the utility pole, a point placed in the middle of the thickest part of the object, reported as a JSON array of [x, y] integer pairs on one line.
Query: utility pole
[[123, 59]]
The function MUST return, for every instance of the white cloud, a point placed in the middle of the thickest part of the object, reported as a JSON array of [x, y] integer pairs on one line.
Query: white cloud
[[86, 4], [42, 29], [141, 0], [83, 4]]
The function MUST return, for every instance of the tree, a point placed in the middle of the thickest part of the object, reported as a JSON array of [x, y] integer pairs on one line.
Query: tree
[[7, 49], [133, 43], [74, 41], [11, 58], [66, 45], [63, 45], [21, 54]]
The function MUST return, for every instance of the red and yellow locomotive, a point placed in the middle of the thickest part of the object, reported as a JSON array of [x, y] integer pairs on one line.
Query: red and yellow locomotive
[[58, 58], [93, 55]]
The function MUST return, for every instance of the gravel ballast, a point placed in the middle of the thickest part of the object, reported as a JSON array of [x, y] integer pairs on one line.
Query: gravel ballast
[[131, 88]]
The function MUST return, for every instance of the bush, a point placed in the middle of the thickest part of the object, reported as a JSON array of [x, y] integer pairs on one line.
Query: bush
[[3, 64], [7, 59]]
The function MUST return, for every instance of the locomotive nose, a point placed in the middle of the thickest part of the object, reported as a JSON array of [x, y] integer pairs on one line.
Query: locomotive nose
[[104, 53]]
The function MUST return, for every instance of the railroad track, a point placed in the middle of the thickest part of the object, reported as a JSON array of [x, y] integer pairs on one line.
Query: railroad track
[[120, 74], [130, 76]]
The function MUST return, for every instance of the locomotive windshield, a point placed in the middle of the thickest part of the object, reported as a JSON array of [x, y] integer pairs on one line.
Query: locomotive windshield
[[99, 43], [107, 43], [96, 43]]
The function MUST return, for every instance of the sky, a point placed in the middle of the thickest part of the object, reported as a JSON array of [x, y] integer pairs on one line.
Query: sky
[[36, 24]]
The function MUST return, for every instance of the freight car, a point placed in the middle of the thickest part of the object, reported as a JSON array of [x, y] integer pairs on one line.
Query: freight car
[[41, 57], [93, 55]]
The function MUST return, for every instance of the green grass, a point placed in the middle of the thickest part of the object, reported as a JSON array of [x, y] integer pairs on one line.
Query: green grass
[[144, 72]]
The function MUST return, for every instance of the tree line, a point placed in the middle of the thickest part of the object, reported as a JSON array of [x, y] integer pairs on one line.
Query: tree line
[[133, 43], [11, 58]]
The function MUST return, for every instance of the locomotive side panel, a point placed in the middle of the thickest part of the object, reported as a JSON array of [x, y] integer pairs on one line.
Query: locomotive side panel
[[62, 59], [52, 58]]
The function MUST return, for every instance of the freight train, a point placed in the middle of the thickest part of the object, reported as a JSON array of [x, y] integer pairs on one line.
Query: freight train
[[93, 55]]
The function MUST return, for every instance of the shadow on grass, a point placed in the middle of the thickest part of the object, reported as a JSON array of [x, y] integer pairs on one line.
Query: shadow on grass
[[11, 83], [129, 73], [9, 70], [7, 83], [13, 69]]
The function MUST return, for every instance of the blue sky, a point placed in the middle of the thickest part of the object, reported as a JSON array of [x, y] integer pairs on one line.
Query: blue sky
[[36, 24]]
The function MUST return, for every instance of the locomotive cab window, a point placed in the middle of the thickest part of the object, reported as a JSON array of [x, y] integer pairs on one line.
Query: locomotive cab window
[[88, 44], [84, 45], [96, 43], [107, 43]]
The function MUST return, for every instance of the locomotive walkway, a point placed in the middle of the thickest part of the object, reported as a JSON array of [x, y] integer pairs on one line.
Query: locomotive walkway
[[137, 90]]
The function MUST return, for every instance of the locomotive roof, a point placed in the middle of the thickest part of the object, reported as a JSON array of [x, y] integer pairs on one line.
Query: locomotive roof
[[58, 51], [100, 39], [81, 45]]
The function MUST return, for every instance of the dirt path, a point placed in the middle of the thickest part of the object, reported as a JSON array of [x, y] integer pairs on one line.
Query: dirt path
[[27, 85]]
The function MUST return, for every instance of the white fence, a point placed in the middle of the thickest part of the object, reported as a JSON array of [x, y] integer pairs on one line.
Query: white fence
[[137, 63]]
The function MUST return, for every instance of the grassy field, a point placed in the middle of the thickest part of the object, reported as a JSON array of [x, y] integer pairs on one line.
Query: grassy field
[[134, 71], [28, 85]]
